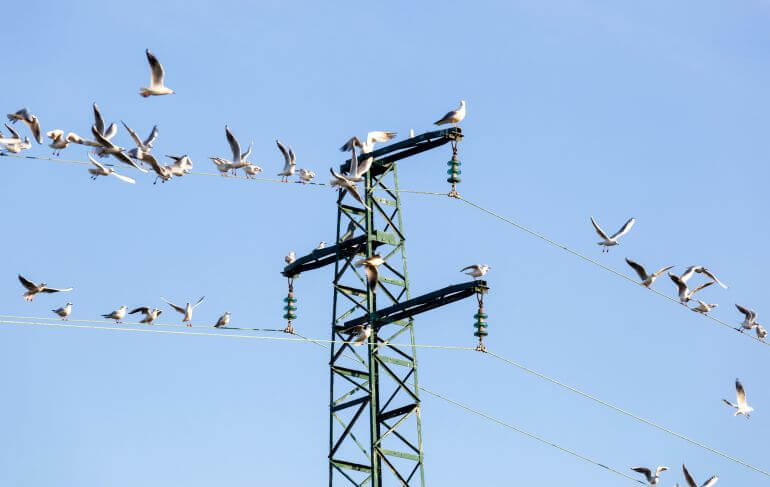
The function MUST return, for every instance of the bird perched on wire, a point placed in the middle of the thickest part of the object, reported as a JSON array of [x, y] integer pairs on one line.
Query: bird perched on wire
[[703, 308], [186, 311], [223, 166], [454, 117], [223, 320], [164, 173], [14, 143], [34, 289], [749, 318], [613, 240], [251, 170], [59, 141], [157, 75], [64, 311], [289, 162], [102, 170], [371, 266], [761, 332], [476, 270], [31, 120], [107, 147], [117, 315], [691, 482], [647, 279], [182, 165], [150, 314], [685, 294], [742, 407], [652, 479], [306, 176]]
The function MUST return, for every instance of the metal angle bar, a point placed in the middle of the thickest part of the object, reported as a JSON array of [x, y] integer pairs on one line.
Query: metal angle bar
[[351, 372], [395, 361], [384, 214], [393, 469], [351, 403], [360, 446], [395, 426], [414, 470], [348, 428], [404, 440], [400, 381], [351, 392], [395, 392], [400, 454], [328, 255], [336, 467], [351, 466], [393, 413]]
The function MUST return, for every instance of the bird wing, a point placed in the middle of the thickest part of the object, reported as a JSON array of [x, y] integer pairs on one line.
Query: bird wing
[[660, 470], [35, 127], [153, 164], [55, 134], [446, 118], [749, 313], [712, 276], [14, 133], [689, 272], [177, 308], [123, 178], [98, 120], [156, 75], [740, 394], [679, 284], [286, 155], [638, 268], [292, 157], [599, 229], [246, 154], [643, 470], [353, 162], [688, 478], [352, 142], [707, 284], [474, 266], [122, 157], [143, 309], [354, 191], [97, 163], [27, 283], [235, 147], [103, 141], [151, 138], [662, 270], [133, 135], [624, 229], [199, 301], [372, 274], [710, 482], [379, 136], [111, 131], [55, 290], [729, 403]]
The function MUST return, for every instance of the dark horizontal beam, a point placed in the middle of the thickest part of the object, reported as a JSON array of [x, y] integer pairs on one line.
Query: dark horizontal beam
[[394, 413], [420, 304], [328, 255]]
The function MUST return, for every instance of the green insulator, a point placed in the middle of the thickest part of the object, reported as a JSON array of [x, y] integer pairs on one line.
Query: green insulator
[[290, 308], [481, 334], [455, 172], [289, 300], [480, 324], [483, 316], [454, 163], [290, 316], [453, 179]]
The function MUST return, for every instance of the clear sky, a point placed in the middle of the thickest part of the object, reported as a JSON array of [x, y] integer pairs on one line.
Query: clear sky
[[656, 110]]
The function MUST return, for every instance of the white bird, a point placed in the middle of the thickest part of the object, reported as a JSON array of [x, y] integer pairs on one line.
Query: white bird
[[652, 479], [691, 482], [58, 141], [187, 311], [371, 266], [15, 143], [290, 162], [107, 147], [647, 279], [182, 165], [349, 231], [688, 273], [321, 245], [742, 407], [761, 332], [142, 146], [290, 258], [76, 139], [33, 289], [411, 133], [31, 120], [476, 270], [223, 320], [454, 117], [150, 314], [243, 160], [13, 139], [613, 240], [164, 173], [345, 184], [223, 166], [685, 294], [359, 169], [117, 315], [157, 87], [362, 335], [750, 318], [252, 170], [306, 176], [64, 311], [101, 170], [703, 308]]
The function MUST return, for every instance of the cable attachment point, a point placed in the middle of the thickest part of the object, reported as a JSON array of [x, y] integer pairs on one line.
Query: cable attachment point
[[454, 172], [290, 308], [480, 324]]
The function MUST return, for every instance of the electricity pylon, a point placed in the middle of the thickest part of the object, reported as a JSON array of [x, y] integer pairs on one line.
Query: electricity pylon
[[375, 434]]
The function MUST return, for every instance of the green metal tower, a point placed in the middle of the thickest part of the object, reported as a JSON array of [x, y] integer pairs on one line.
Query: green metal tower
[[374, 426]]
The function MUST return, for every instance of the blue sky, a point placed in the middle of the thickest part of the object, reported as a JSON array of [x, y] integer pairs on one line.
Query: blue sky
[[612, 109]]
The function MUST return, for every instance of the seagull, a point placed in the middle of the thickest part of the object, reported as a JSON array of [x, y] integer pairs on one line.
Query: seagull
[[688, 273], [290, 258], [703, 308], [15, 144], [691, 482], [321, 245], [76, 139], [362, 335], [251, 170], [742, 407], [306, 176], [613, 240], [117, 315], [290, 162], [476, 270], [101, 170], [222, 165], [182, 165], [651, 479], [187, 311], [58, 141], [150, 314], [13, 139], [647, 279], [235, 147], [98, 119], [346, 184], [749, 320], [31, 120], [411, 133], [244, 160], [142, 146], [349, 232], [371, 266], [33, 289], [64, 311], [109, 148], [164, 172], [358, 170], [761, 332], [685, 294], [223, 320], [156, 78], [454, 117]]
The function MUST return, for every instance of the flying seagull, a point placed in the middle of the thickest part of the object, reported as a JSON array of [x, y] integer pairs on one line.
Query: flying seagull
[[187, 311], [33, 289], [290, 162], [362, 335], [64, 311], [454, 117], [31, 120], [345, 184], [150, 314], [117, 315], [742, 407], [688, 273], [652, 479], [164, 172], [749, 320], [761, 332], [58, 140], [101, 170], [613, 240], [15, 144], [371, 266], [142, 146], [703, 308], [359, 169], [107, 147], [182, 165], [223, 320], [685, 294], [156, 78], [691, 482], [476, 270], [647, 279]]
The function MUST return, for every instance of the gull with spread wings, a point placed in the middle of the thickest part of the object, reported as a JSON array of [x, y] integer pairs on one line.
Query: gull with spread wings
[[157, 87], [613, 240], [647, 279], [187, 310], [34, 289], [742, 407]]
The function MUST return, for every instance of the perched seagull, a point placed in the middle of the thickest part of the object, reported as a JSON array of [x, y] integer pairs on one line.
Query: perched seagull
[[15, 144], [454, 117], [33, 289], [156, 78], [685, 294], [371, 266], [31, 121], [647, 279], [290, 162], [58, 141], [150, 314], [101, 170], [688, 273], [182, 165], [64, 311], [703, 308], [349, 232], [187, 311], [411, 133], [164, 172], [345, 184], [306, 176], [691, 482], [476, 270], [223, 166], [109, 148], [358, 170], [290, 258], [142, 146], [362, 335], [761, 332], [613, 240], [651, 479], [244, 160], [251, 170], [750, 318], [223, 320], [321, 245], [117, 315], [742, 407]]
